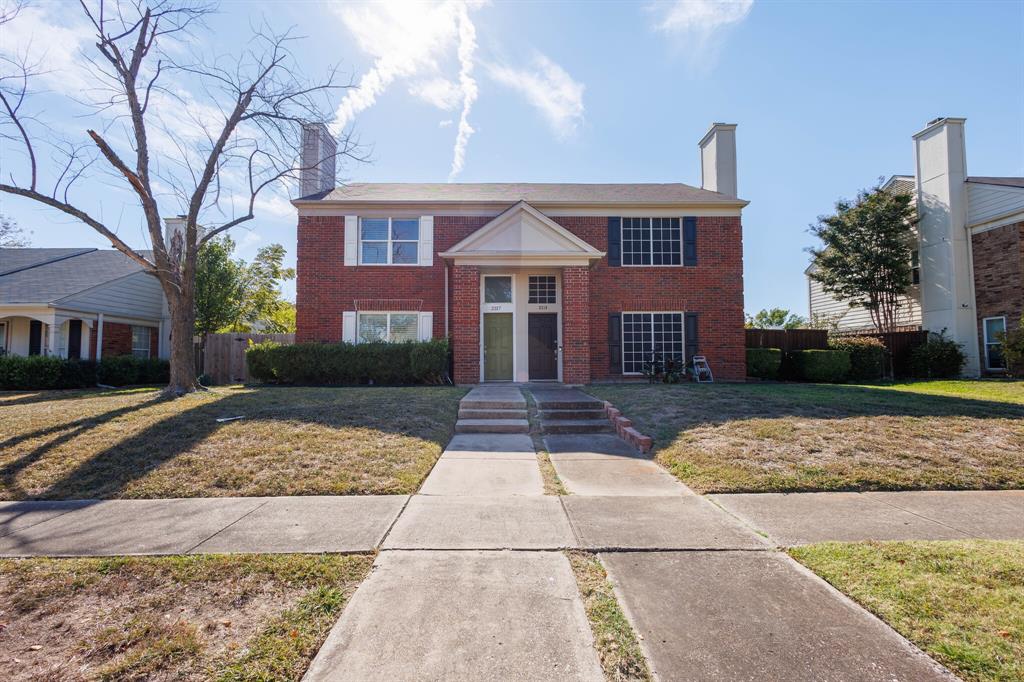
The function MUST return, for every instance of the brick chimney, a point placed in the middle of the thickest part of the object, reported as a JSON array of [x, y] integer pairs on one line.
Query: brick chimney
[[317, 160], [718, 159]]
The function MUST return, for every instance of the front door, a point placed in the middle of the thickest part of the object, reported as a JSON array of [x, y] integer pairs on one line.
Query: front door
[[75, 339], [497, 346], [543, 330]]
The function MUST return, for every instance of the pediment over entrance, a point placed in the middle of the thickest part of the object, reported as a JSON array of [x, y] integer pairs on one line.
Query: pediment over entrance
[[522, 235]]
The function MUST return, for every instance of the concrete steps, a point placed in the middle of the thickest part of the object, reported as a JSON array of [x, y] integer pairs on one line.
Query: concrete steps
[[475, 413], [547, 415], [571, 411], [493, 409], [492, 426], [577, 426]]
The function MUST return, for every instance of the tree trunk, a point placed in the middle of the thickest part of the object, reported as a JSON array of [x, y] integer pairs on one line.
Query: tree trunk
[[183, 354]]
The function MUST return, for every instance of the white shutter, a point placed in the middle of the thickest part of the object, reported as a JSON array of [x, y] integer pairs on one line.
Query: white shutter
[[348, 326], [426, 326], [351, 239], [426, 246]]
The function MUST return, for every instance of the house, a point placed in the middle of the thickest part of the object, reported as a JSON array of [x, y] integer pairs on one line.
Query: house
[[531, 282], [969, 262], [82, 303]]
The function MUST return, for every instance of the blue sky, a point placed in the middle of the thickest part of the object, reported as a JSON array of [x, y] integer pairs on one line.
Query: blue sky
[[826, 95]]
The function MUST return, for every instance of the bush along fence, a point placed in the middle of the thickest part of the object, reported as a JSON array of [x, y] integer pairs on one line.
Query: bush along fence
[[412, 362], [43, 372], [222, 361]]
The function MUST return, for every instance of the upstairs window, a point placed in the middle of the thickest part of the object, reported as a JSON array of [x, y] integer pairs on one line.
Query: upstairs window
[[652, 241], [389, 241], [140, 341], [644, 334]]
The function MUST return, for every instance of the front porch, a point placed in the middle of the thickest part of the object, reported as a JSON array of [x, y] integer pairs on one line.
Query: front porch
[[64, 333]]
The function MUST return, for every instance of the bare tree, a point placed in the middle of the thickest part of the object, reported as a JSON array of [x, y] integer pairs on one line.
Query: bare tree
[[243, 114]]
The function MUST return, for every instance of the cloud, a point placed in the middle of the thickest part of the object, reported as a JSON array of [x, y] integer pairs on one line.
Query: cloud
[[467, 84], [440, 92], [696, 22], [549, 88], [45, 33]]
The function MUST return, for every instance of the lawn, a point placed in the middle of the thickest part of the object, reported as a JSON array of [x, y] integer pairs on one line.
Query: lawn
[[240, 617], [289, 441], [962, 602], [801, 437]]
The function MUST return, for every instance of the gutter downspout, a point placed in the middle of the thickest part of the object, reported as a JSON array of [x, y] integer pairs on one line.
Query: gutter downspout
[[446, 299]]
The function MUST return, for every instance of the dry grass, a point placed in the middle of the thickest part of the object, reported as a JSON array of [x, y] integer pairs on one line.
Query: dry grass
[[962, 602], [291, 441], [552, 483], [798, 437], [240, 617], [617, 645]]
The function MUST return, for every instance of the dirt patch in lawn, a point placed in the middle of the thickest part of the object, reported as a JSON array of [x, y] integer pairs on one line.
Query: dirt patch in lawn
[[791, 437], [289, 441], [185, 618], [962, 602]]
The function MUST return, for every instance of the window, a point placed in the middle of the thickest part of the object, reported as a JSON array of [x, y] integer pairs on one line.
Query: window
[[644, 334], [542, 289], [497, 289], [140, 341], [993, 326], [389, 241], [915, 267], [652, 241], [390, 327]]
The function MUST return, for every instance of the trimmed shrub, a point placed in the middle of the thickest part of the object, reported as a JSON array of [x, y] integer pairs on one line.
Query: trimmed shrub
[[821, 366], [77, 374], [42, 372], [764, 363], [34, 372], [938, 358], [125, 370], [1013, 350], [345, 363], [867, 356]]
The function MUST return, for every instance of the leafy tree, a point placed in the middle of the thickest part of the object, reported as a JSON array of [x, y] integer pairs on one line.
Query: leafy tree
[[11, 236], [776, 318], [865, 253]]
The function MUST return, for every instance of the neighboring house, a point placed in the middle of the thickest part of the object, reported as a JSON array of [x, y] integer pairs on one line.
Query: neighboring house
[[563, 282], [970, 258], [78, 303]]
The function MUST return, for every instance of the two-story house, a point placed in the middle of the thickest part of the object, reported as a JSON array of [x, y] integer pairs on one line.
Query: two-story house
[[531, 282]]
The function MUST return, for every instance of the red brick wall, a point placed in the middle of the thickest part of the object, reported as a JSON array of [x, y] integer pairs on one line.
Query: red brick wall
[[576, 328], [713, 289], [999, 277], [117, 340], [466, 323]]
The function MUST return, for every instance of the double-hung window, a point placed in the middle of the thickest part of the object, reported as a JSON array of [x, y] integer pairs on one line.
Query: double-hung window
[[644, 334], [993, 327], [389, 241], [652, 241], [389, 327], [140, 341], [915, 267]]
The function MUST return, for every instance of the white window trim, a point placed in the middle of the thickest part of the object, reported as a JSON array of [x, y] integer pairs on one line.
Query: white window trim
[[387, 329], [622, 332], [988, 342], [148, 343], [622, 244], [389, 241]]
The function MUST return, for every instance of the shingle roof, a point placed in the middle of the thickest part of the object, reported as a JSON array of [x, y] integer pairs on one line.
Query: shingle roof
[[48, 275], [901, 184], [1006, 182], [533, 193]]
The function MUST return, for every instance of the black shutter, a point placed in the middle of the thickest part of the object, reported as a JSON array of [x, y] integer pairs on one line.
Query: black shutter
[[689, 240], [35, 337], [615, 241], [615, 342], [690, 335]]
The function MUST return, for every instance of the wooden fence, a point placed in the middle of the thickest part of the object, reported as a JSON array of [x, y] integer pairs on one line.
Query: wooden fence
[[787, 339], [224, 359]]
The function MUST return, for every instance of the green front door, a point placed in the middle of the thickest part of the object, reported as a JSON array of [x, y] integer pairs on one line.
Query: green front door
[[497, 346]]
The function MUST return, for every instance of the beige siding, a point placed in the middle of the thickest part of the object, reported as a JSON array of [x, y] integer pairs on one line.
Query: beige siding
[[990, 202], [824, 305], [138, 295]]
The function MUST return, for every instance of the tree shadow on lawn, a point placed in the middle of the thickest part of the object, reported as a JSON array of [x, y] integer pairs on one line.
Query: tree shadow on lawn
[[110, 472], [16, 398]]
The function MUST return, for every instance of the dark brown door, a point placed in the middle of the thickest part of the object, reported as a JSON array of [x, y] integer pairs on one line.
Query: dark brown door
[[543, 330], [75, 339]]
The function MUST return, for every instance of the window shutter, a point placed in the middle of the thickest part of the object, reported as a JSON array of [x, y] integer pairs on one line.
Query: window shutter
[[426, 331], [348, 326], [615, 342], [426, 247], [351, 239], [615, 242], [689, 240], [690, 335]]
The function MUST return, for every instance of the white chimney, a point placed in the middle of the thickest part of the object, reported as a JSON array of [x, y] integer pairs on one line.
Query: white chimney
[[174, 227], [947, 276], [718, 159], [317, 160]]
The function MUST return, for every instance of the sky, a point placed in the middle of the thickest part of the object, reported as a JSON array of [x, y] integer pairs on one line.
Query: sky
[[826, 96]]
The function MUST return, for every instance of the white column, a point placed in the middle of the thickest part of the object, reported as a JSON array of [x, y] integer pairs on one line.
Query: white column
[[99, 336], [51, 341]]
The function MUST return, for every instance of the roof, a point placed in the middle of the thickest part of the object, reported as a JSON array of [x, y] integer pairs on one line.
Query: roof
[[534, 193], [1005, 182], [48, 275], [900, 184]]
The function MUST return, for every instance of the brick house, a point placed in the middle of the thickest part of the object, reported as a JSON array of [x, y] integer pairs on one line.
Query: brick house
[[531, 282], [968, 267]]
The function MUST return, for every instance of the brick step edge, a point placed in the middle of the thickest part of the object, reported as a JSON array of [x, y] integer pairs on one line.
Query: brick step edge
[[625, 430]]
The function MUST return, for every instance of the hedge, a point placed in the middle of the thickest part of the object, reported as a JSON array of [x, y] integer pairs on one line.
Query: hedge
[[412, 362], [821, 366], [42, 372], [867, 356], [764, 363], [938, 358]]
